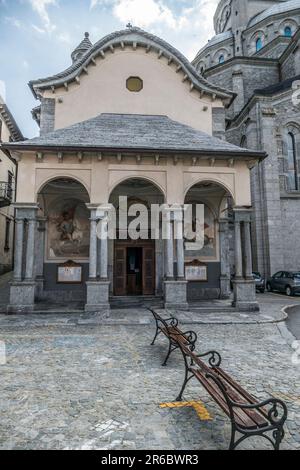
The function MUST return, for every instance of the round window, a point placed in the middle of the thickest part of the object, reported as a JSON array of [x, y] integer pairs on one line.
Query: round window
[[134, 84]]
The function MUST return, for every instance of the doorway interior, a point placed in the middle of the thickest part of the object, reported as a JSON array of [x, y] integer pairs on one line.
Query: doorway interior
[[134, 268]]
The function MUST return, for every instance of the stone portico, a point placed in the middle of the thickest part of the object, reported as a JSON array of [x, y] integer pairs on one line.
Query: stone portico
[[154, 145]]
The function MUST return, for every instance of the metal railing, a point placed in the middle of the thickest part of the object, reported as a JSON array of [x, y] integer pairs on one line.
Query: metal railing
[[6, 193]]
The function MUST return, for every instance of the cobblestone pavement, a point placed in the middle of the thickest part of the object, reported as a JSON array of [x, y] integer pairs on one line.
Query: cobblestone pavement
[[99, 387]]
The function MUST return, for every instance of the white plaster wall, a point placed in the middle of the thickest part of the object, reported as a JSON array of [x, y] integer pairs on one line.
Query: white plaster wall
[[103, 90], [101, 177]]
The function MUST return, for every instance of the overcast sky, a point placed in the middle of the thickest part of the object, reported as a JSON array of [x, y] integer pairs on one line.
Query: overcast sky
[[38, 36]]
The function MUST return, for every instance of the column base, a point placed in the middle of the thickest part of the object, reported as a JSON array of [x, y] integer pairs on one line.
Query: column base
[[22, 295], [175, 295], [245, 296], [39, 286], [98, 297], [225, 287]]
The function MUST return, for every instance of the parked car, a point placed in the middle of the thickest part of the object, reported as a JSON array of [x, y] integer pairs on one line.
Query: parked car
[[285, 281], [259, 282]]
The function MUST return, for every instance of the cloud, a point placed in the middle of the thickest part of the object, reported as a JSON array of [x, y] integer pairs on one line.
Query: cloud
[[40, 7], [13, 21], [144, 13], [2, 90]]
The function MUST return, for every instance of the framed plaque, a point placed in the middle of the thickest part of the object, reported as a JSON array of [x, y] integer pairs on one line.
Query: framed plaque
[[196, 271], [69, 273]]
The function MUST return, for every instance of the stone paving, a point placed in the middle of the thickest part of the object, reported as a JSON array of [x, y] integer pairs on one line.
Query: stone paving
[[67, 386]]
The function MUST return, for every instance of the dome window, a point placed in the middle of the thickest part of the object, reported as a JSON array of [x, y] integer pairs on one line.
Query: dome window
[[288, 32], [221, 59], [259, 44]]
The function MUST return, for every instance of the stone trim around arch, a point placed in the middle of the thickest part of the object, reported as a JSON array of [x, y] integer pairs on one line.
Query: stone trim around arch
[[223, 185], [58, 176], [139, 177]]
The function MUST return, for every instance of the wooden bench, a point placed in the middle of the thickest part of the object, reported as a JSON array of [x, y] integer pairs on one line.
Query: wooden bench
[[248, 416], [169, 326]]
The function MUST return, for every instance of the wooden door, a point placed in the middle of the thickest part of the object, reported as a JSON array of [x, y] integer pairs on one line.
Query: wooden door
[[148, 270], [120, 270]]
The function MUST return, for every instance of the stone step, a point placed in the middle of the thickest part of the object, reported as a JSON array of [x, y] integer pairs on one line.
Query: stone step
[[135, 301]]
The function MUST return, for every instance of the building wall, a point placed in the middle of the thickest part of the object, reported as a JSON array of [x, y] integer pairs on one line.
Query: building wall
[[6, 213], [103, 90]]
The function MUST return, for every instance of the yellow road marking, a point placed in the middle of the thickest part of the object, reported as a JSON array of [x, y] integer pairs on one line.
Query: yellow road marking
[[197, 405]]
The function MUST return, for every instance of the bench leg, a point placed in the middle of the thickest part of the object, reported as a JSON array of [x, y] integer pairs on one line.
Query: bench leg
[[278, 436], [232, 440], [186, 381], [156, 335], [169, 353]]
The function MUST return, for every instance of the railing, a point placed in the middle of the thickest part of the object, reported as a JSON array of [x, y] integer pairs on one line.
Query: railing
[[6, 193]]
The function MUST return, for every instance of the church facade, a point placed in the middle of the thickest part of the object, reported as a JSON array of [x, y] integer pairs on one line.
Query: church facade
[[130, 118], [256, 53]]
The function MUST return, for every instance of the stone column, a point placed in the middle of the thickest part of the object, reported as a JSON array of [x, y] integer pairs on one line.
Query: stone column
[[22, 291], [30, 249], [238, 250], [170, 250], [248, 251], [93, 249], [225, 290], [243, 287], [104, 250], [178, 225], [39, 255], [175, 291], [98, 289], [19, 240]]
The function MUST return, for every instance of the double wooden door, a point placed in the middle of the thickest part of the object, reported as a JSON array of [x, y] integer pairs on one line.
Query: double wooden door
[[134, 268]]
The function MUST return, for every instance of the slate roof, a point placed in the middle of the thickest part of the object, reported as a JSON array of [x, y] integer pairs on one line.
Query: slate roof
[[130, 36], [282, 7], [277, 88], [129, 132], [10, 122]]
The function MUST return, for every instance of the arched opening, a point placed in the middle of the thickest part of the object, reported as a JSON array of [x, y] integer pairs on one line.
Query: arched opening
[[293, 179], [288, 32], [212, 256], [63, 238], [221, 59], [135, 261], [259, 44]]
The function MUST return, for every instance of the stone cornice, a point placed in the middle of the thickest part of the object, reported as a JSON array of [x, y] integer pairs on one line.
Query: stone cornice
[[257, 61]]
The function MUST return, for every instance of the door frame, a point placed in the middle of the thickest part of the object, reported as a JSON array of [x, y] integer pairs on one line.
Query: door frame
[[124, 244]]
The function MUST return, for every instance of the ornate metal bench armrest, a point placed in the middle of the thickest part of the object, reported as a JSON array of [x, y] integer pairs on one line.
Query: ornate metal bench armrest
[[190, 336], [173, 321], [277, 414], [214, 360], [273, 414]]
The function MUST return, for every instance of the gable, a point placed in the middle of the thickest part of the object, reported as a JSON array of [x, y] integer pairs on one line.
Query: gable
[[103, 89]]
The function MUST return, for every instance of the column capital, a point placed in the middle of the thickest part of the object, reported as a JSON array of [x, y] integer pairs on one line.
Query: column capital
[[242, 214]]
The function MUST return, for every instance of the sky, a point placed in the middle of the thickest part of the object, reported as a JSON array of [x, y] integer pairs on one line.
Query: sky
[[38, 36]]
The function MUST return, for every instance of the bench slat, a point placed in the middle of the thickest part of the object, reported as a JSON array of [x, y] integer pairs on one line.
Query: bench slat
[[241, 418]]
